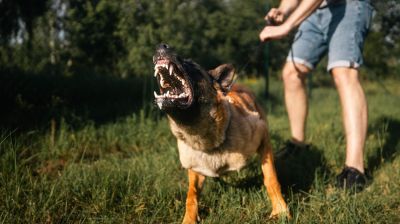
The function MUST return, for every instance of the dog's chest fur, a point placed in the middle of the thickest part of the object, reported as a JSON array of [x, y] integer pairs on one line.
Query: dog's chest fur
[[223, 141]]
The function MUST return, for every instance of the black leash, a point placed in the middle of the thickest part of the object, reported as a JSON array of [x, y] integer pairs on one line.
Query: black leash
[[254, 51]]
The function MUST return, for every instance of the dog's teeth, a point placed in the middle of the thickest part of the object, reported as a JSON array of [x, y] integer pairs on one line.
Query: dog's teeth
[[170, 69], [157, 96], [160, 105], [162, 81]]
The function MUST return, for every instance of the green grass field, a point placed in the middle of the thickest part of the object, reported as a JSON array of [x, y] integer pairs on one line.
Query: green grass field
[[128, 171]]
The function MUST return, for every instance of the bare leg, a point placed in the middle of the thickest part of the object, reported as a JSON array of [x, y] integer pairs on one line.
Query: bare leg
[[354, 114], [294, 76], [196, 181], [271, 182]]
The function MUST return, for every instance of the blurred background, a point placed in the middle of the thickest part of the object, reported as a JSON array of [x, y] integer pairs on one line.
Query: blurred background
[[90, 57], [81, 140]]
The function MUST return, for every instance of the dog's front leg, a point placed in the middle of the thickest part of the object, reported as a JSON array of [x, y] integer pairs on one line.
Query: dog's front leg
[[195, 184], [271, 182]]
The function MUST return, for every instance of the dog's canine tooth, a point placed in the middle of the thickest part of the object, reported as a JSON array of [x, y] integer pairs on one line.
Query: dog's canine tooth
[[162, 83], [160, 105]]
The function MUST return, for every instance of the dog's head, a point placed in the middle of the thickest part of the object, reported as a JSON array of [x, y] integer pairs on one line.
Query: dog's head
[[183, 84]]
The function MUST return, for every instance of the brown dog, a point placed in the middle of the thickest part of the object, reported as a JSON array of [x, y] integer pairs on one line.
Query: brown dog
[[218, 125]]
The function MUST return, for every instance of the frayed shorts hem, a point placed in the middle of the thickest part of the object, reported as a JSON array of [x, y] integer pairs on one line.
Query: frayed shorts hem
[[300, 61]]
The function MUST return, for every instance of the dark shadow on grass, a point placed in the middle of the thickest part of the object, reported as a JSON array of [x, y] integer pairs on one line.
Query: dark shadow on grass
[[297, 172], [249, 178], [389, 129], [32, 101]]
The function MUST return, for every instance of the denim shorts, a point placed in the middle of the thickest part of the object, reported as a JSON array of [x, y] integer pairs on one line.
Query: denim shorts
[[339, 29]]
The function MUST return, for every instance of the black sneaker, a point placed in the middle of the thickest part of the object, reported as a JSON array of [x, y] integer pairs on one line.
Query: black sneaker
[[289, 149], [351, 179]]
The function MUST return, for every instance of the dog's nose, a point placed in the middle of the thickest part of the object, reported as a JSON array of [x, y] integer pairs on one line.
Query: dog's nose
[[162, 51], [163, 46]]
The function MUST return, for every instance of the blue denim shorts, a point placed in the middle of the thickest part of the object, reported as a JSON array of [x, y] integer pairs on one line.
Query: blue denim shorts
[[339, 29]]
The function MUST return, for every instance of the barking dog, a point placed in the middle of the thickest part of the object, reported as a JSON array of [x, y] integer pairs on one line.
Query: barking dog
[[218, 125]]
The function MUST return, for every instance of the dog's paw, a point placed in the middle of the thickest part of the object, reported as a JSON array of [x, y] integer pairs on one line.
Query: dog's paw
[[283, 213]]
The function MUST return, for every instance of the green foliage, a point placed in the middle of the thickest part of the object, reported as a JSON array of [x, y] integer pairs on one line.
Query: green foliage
[[91, 28], [210, 32], [375, 59], [119, 37], [15, 12]]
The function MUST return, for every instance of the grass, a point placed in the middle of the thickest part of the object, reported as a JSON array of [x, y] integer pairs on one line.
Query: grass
[[127, 170]]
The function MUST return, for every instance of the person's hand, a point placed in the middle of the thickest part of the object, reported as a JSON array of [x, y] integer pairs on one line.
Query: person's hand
[[274, 32], [275, 16]]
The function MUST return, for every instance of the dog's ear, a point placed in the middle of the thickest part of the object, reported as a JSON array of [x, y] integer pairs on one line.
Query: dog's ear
[[224, 75]]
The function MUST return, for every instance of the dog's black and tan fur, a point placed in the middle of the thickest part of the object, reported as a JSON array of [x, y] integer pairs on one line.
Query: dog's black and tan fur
[[218, 125]]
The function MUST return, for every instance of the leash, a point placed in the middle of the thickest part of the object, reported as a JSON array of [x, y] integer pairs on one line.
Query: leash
[[257, 48], [254, 51]]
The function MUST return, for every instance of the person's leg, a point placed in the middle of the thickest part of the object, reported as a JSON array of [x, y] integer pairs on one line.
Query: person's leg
[[307, 49], [347, 32], [346, 36], [354, 114], [309, 45], [294, 75]]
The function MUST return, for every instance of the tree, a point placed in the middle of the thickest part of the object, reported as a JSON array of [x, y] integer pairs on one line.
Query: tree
[[382, 48], [91, 36], [20, 15]]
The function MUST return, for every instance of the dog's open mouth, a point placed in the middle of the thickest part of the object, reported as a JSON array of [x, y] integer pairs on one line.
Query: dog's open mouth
[[175, 88]]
